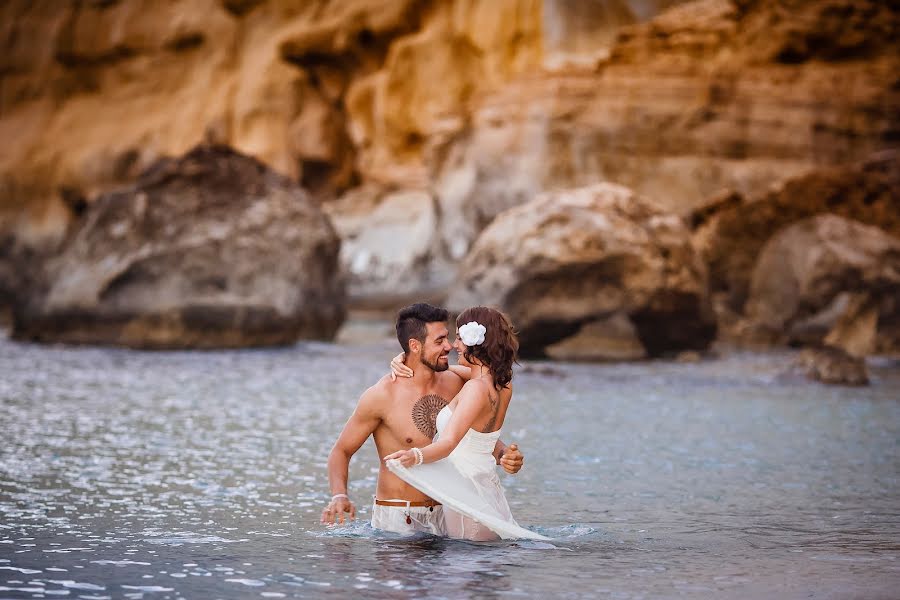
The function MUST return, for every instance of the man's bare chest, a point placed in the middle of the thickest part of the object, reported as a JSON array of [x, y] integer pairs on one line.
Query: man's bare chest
[[413, 420]]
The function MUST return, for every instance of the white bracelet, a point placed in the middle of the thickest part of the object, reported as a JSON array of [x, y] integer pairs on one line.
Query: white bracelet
[[340, 496], [419, 457]]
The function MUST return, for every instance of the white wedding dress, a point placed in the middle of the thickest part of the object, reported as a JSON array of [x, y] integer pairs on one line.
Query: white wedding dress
[[466, 483]]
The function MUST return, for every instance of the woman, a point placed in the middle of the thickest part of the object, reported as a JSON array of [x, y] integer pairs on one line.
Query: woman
[[458, 468]]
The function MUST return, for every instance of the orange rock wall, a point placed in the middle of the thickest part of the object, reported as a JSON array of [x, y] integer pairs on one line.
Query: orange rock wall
[[517, 95], [332, 92]]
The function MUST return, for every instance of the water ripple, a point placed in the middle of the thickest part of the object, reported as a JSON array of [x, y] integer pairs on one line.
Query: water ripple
[[203, 474]]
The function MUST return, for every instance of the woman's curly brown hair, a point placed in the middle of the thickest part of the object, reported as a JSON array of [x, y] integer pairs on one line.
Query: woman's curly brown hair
[[500, 348]]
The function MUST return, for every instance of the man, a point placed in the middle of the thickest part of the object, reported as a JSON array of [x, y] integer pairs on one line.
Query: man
[[401, 415]]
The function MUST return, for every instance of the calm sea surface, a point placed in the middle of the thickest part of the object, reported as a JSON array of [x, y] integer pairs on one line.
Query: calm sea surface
[[202, 475]]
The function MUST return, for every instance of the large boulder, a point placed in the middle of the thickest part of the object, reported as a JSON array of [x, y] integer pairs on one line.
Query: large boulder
[[825, 270], [568, 260], [210, 250], [732, 229]]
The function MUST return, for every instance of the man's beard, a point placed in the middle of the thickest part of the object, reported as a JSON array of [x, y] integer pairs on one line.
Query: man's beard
[[438, 365]]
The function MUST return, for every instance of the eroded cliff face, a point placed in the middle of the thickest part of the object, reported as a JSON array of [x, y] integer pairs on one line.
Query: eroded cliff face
[[95, 92], [465, 107], [331, 92], [709, 95]]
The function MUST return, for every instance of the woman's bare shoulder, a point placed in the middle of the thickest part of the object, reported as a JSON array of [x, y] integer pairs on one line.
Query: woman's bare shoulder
[[477, 387]]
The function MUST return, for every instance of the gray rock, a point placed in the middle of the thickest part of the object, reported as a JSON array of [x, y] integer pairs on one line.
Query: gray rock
[[732, 230], [856, 330], [833, 366], [569, 260], [390, 251], [824, 271], [209, 250]]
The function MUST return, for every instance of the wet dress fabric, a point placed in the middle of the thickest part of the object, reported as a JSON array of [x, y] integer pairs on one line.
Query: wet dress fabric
[[466, 483]]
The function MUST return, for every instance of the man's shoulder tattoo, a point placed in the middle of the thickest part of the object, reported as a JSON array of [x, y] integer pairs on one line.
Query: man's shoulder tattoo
[[424, 413]]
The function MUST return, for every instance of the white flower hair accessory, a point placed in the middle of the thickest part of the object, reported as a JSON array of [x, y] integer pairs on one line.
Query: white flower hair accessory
[[472, 333]]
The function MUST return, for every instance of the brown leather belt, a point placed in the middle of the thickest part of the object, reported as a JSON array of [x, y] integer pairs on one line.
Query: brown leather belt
[[425, 503]]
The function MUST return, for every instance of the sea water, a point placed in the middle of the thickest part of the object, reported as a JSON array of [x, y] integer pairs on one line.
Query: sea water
[[127, 474]]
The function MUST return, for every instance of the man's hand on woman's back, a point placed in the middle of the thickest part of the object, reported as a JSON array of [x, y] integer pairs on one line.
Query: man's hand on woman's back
[[512, 460]]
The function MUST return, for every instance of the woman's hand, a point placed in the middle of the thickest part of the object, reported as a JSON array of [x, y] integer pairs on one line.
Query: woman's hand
[[398, 369], [407, 458]]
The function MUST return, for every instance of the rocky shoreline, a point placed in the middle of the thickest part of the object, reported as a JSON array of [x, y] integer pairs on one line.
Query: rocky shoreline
[[631, 184]]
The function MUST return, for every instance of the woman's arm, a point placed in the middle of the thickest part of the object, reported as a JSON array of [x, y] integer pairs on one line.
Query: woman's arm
[[399, 369], [465, 373], [471, 401]]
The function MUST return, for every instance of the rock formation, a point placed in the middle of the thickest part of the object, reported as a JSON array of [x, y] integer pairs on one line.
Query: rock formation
[[210, 250], [856, 330], [825, 272], [570, 260], [434, 117], [834, 366], [731, 231], [710, 95]]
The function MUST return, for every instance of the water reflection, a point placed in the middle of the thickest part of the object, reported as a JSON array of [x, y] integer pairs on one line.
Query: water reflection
[[201, 475]]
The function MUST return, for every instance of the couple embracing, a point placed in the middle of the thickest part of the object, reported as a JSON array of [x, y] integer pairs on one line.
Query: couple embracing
[[437, 430]]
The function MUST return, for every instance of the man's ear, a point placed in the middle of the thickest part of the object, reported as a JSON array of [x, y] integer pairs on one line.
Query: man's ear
[[415, 346]]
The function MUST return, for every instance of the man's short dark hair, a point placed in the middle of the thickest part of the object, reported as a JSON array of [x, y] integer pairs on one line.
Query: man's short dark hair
[[411, 322]]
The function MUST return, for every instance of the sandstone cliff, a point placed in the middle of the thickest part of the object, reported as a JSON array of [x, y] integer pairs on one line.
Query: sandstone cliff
[[329, 92], [417, 122], [708, 96]]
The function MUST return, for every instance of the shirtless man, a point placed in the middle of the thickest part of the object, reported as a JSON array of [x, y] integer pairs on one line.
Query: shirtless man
[[401, 415]]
